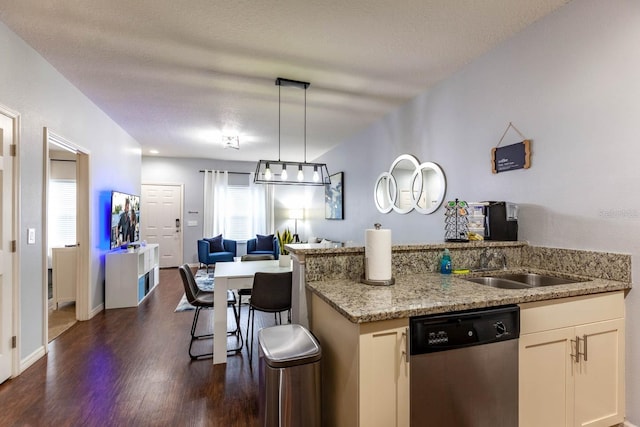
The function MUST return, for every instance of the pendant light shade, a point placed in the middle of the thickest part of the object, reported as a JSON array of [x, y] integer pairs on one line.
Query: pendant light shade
[[275, 171]]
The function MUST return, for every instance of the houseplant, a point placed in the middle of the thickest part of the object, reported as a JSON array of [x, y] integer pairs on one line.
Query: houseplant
[[284, 238]]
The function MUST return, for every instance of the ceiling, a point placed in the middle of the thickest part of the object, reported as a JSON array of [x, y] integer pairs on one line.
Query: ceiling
[[177, 75]]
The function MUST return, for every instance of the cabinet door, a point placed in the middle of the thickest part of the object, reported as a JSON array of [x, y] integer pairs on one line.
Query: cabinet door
[[64, 275], [599, 379], [384, 379], [545, 379]]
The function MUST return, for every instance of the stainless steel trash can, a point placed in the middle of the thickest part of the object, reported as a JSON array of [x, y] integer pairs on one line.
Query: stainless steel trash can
[[289, 377]]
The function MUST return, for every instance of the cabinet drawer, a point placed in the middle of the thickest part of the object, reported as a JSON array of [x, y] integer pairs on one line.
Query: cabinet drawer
[[565, 312]]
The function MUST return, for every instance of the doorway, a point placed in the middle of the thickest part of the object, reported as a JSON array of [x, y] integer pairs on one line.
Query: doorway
[[66, 232], [9, 307], [161, 213]]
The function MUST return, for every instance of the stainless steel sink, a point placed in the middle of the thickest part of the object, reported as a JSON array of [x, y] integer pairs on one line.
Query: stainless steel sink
[[499, 282], [520, 280], [535, 280]]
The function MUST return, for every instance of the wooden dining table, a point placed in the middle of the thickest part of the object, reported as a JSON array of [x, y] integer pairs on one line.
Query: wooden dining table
[[233, 275]]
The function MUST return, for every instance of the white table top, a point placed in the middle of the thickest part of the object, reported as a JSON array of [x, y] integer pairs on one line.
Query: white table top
[[247, 268]]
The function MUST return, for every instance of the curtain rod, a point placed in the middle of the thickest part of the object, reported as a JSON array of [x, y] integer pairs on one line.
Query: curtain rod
[[235, 173]]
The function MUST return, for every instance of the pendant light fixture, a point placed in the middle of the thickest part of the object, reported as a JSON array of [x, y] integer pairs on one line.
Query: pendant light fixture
[[275, 171]]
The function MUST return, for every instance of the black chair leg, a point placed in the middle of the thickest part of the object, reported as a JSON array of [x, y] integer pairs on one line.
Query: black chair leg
[[237, 332], [195, 337], [194, 325], [250, 333]]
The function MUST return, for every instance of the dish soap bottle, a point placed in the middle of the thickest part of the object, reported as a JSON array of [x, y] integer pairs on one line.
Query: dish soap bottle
[[445, 262]]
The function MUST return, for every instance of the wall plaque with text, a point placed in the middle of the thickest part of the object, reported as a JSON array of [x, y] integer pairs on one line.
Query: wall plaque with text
[[510, 157]]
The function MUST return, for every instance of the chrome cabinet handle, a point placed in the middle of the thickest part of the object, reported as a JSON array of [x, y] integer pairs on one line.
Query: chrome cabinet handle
[[575, 355], [405, 352], [578, 353]]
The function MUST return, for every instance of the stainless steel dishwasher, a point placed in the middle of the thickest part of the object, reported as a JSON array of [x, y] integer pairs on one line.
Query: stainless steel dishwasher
[[464, 368]]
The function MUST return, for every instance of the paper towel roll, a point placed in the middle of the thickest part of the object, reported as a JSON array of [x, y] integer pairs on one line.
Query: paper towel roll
[[377, 254]]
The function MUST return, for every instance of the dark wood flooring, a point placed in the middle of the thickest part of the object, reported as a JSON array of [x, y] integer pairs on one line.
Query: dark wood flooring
[[130, 367]]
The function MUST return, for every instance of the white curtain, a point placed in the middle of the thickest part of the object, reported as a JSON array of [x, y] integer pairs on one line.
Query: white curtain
[[215, 194], [263, 206]]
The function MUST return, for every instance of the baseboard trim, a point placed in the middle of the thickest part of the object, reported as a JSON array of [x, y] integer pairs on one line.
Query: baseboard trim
[[96, 310], [628, 424], [32, 358]]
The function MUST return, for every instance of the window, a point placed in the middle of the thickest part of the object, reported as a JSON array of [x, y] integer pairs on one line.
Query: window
[[62, 213], [239, 212]]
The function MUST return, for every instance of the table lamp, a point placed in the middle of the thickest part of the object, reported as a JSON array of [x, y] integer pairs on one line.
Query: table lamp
[[296, 214]]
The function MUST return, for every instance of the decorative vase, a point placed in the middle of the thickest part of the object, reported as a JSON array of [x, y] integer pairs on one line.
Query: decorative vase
[[285, 260]]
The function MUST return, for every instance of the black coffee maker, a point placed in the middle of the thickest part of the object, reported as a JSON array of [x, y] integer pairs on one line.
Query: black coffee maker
[[501, 221]]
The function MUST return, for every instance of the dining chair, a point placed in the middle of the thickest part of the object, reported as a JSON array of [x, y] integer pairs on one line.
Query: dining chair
[[247, 291], [204, 299], [271, 293]]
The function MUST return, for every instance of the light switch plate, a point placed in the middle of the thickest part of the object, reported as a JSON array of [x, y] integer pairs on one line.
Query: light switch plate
[[192, 223], [31, 236]]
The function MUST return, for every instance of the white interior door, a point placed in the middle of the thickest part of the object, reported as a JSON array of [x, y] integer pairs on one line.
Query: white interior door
[[161, 220], [6, 252], [81, 156]]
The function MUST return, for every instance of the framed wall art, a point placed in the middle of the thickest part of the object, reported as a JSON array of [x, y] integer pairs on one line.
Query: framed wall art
[[334, 197]]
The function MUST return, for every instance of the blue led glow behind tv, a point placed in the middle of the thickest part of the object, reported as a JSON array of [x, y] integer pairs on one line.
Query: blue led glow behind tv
[[125, 226]]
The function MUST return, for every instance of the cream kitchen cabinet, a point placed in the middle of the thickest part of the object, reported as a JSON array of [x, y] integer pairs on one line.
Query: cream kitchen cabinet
[[365, 373], [64, 275], [572, 362]]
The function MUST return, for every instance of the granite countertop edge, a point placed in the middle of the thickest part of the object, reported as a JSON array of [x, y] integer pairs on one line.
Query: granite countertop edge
[[433, 293], [348, 248]]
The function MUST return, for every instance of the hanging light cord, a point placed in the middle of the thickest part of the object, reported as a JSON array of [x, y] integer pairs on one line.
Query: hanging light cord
[[305, 124], [279, 107]]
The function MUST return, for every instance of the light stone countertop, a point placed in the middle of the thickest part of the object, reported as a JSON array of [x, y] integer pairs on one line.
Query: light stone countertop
[[431, 293]]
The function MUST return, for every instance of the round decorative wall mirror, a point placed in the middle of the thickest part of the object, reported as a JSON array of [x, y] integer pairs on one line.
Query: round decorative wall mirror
[[410, 185], [384, 191], [429, 187]]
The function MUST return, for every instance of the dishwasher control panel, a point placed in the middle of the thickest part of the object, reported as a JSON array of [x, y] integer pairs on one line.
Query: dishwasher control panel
[[461, 329]]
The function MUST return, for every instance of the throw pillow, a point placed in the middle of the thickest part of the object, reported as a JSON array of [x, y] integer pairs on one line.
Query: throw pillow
[[215, 244], [264, 243]]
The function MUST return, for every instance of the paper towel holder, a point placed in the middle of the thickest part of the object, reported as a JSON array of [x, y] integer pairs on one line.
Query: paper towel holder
[[366, 281], [378, 282]]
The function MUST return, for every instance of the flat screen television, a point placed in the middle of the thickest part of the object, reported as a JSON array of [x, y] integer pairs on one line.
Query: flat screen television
[[125, 219]]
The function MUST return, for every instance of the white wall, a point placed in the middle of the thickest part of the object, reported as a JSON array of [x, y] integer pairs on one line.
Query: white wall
[[163, 170], [570, 83], [33, 88], [186, 171]]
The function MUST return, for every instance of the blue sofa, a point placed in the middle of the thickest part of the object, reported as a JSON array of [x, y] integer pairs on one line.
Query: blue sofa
[[206, 257], [253, 243]]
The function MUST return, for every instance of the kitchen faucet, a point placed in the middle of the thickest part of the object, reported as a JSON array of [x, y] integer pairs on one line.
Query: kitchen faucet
[[484, 259], [487, 256]]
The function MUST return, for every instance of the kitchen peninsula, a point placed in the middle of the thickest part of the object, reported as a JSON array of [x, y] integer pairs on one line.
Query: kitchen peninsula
[[363, 328]]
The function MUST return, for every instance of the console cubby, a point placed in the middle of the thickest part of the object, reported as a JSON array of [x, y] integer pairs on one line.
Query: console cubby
[[131, 276]]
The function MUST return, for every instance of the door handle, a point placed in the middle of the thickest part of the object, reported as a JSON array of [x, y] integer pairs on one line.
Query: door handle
[[584, 339]]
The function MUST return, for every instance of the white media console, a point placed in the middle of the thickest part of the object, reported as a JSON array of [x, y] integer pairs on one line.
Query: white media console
[[130, 276]]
